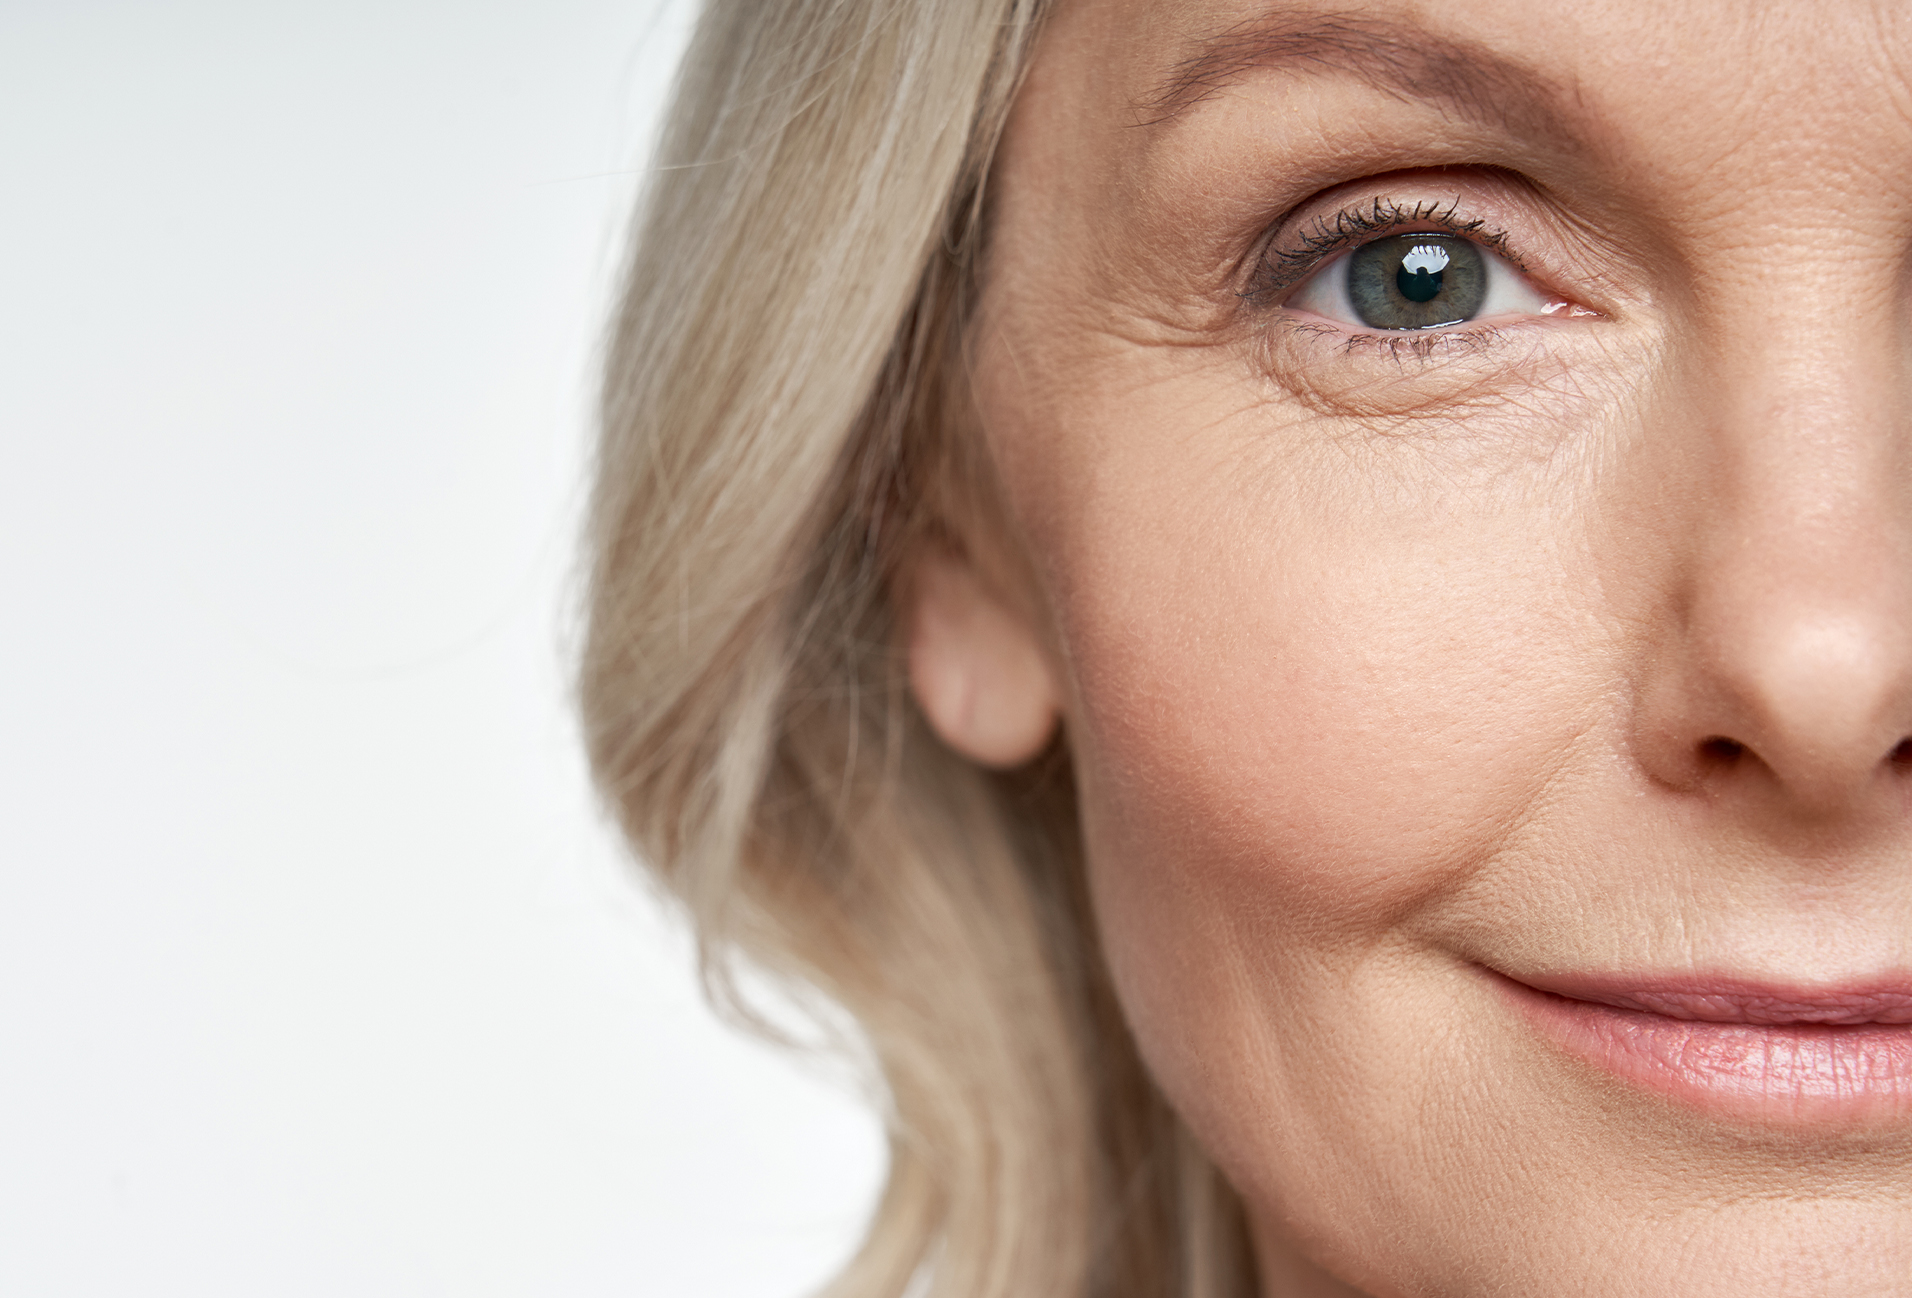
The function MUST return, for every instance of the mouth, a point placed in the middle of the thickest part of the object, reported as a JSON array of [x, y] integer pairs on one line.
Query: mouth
[[1736, 1049]]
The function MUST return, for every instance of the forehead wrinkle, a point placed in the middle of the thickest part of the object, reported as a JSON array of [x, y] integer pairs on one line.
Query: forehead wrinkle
[[1397, 58]]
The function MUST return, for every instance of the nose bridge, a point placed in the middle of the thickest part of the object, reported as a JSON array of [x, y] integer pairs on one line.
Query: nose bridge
[[1795, 661]]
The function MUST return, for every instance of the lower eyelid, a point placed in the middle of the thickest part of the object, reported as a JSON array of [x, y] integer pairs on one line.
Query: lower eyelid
[[1421, 344], [1408, 375]]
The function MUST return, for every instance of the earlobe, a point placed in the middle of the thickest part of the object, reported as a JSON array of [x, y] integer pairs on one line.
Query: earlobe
[[976, 668]]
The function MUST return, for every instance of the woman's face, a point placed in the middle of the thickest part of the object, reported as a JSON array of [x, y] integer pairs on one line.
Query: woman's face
[[1488, 733]]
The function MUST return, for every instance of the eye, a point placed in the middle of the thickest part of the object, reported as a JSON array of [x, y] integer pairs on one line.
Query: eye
[[1417, 281]]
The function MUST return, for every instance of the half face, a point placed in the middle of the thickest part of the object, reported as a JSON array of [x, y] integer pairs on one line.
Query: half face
[[1462, 457]]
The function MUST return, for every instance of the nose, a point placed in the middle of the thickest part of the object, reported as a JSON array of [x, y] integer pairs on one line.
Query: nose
[[1784, 667]]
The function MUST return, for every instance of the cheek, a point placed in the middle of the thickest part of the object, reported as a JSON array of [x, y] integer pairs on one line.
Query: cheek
[[1315, 710], [1303, 716]]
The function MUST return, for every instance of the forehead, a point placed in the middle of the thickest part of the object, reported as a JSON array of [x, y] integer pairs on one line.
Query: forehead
[[1708, 80]]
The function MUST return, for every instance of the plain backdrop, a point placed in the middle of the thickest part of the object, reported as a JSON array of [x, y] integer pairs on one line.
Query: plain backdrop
[[319, 973]]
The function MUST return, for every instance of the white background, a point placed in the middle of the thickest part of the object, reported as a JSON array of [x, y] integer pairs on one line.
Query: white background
[[319, 974]]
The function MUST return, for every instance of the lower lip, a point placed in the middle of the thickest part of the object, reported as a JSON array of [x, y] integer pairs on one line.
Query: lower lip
[[1803, 1074]]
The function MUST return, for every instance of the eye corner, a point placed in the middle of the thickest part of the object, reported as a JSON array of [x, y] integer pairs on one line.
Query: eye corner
[[1560, 307]]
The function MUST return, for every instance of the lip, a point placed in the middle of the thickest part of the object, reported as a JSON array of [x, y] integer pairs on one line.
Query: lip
[[1734, 1048]]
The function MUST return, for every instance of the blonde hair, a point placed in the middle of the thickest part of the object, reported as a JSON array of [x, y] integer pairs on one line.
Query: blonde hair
[[775, 409]]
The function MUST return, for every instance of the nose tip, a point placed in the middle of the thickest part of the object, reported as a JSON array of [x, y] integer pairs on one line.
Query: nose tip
[[1814, 703]]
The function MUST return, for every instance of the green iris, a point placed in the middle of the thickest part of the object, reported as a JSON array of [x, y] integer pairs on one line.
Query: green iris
[[1417, 281]]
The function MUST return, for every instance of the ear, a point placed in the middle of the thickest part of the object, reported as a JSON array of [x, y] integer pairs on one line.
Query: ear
[[976, 667]]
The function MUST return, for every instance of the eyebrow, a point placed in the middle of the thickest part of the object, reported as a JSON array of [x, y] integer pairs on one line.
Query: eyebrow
[[1398, 59]]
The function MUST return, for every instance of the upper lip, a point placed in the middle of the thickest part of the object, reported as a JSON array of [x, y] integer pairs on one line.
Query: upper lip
[[1737, 1000]]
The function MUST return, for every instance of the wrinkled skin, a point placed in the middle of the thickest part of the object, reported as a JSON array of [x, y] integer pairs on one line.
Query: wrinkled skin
[[1570, 642]]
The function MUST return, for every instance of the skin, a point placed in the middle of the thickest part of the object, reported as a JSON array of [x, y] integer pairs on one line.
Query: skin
[[1555, 643]]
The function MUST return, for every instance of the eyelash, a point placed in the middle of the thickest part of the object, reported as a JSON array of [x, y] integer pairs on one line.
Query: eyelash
[[1281, 269]]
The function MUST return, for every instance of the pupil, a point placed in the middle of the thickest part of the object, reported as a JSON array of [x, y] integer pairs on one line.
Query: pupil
[[1419, 286]]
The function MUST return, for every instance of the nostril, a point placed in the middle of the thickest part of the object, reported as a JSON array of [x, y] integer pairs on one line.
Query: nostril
[[1901, 755], [1724, 751]]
